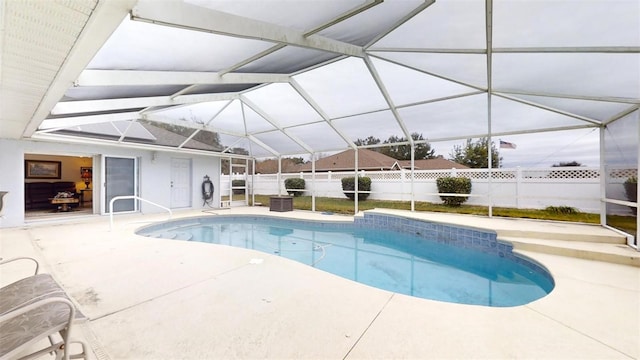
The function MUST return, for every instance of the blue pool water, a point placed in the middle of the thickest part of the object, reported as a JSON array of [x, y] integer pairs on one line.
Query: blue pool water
[[412, 257]]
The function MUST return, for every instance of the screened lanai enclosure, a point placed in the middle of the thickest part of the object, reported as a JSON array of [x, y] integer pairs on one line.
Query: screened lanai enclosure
[[548, 83]]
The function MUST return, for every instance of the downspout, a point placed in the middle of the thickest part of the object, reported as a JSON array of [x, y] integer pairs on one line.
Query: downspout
[[355, 188], [603, 178], [413, 156], [489, 32], [313, 182], [279, 175], [253, 182]]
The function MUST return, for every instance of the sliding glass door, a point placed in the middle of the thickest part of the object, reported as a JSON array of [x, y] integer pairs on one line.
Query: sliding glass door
[[120, 174]]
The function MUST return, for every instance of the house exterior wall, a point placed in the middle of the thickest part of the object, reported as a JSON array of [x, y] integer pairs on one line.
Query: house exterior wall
[[154, 169]]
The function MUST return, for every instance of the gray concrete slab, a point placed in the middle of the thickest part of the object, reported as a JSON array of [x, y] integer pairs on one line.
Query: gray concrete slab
[[166, 299]]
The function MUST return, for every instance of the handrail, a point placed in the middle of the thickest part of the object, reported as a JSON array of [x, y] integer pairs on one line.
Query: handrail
[[123, 197]]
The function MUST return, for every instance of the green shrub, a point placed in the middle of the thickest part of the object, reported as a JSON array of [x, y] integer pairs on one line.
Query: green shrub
[[631, 188], [237, 183], [349, 184], [562, 210], [294, 184], [454, 185]]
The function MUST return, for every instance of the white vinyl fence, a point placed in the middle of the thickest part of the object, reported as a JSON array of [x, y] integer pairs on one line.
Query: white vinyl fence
[[524, 188]]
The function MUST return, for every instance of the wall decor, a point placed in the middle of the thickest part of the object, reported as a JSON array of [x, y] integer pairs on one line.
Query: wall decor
[[40, 169]]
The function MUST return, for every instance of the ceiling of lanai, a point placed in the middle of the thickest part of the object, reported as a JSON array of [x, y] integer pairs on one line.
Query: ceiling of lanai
[[294, 77]]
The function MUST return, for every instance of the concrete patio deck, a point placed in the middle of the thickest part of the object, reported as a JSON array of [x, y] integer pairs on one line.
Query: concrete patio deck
[[151, 298]]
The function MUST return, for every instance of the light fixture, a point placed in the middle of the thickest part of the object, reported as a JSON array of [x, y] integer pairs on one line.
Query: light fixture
[[86, 176]]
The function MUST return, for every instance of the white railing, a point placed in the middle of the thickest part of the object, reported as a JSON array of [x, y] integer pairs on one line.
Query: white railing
[[125, 197]]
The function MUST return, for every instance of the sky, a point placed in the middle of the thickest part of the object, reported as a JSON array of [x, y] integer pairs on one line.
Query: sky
[[536, 150], [543, 149]]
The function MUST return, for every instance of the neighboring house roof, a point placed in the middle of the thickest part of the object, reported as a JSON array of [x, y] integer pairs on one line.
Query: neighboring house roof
[[169, 138], [367, 160], [271, 166], [138, 132], [431, 164], [373, 160]]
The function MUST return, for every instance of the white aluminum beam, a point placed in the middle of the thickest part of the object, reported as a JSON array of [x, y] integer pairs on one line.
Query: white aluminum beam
[[184, 90], [83, 106], [429, 73], [366, 5], [263, 145], [70, 139], [320, 112], [426, 51], [568, 96], [489, 46], [124, 133], [89, 119], [187, 16], [514, 132], [232, 145], [198, 98], [146, 78], [187, 124], [472, 93], [387, 98], [403, 20], [549, 108], [218, 113], [275, 124], [253, 58], [514, 50], [622, 114], [603, 177], [188, 139], [584, 49]]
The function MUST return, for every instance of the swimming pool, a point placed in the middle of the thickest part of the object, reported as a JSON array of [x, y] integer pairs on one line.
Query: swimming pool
[[412, 257]]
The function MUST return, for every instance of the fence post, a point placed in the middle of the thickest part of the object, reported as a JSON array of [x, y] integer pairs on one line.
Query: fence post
[[402, 184], [518, 185], [454, 173]]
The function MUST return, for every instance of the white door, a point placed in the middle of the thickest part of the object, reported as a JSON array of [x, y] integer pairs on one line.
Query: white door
[[180, 183]]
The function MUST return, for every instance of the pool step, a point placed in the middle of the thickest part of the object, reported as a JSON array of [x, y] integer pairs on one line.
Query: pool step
[[596, 234], [616, 253]]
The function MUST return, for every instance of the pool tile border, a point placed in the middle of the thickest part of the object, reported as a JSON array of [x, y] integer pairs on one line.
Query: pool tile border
[[455, 235]]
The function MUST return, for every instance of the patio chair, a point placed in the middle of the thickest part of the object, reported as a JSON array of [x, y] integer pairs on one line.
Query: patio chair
[[32, 309]]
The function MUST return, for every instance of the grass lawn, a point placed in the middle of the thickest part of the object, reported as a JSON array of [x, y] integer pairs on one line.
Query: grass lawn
[[345, 206]]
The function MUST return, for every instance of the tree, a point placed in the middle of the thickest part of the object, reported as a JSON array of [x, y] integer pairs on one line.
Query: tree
[[474, 154], [368, 141], [240, 151], [403, 152], [570, 163], [296, 160]]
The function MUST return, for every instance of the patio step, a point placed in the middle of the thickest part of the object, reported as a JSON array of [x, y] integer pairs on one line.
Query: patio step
[[616, 253]]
